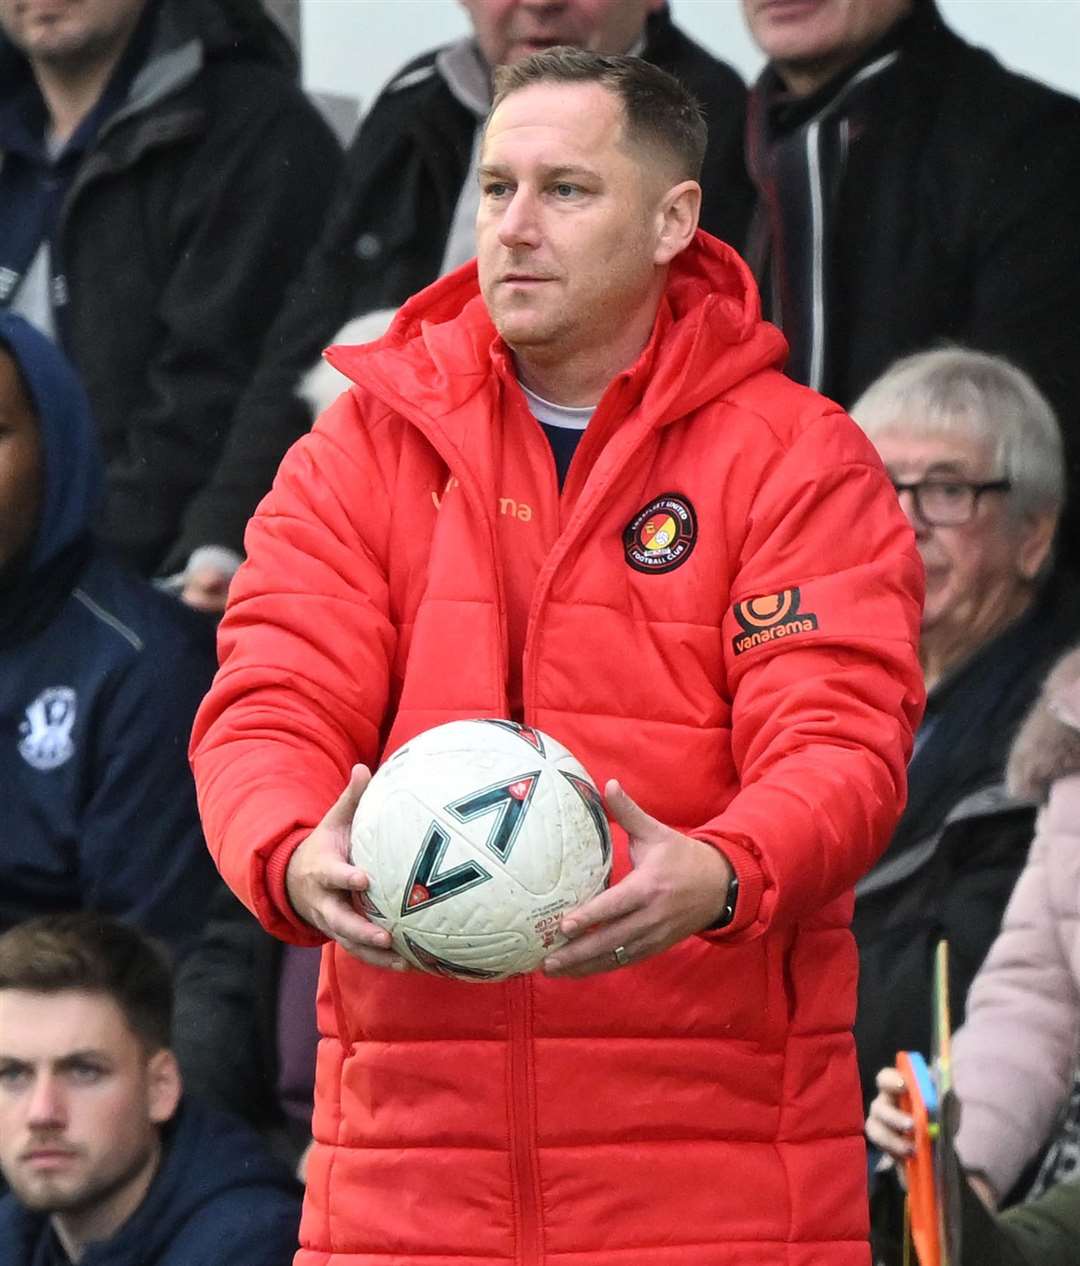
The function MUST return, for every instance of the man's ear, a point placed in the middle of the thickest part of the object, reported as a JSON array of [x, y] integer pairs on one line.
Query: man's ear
[[1036, 539], [676, 220], [163, 1085]]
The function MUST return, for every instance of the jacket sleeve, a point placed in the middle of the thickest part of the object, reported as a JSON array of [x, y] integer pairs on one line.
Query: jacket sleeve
[[821, 664], [306, 648], [142, 856], [1014, 1057], [245, 215]]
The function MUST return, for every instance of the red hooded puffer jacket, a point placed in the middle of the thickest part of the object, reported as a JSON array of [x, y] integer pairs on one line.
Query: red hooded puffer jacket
[[758, 689]]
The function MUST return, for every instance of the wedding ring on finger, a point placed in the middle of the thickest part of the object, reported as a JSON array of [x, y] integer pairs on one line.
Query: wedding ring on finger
[[621, 957]]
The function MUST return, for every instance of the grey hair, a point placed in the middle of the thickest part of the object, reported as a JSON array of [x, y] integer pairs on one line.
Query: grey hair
[[984, 398]]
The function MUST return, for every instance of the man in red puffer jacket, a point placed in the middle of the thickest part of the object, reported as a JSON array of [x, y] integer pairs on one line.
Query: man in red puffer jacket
[[467, 533]]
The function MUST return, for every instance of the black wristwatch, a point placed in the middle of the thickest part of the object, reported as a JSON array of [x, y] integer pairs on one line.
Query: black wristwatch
[[727, 915]]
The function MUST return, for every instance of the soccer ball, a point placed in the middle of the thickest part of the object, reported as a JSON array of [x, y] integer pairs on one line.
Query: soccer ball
[[476, 837]]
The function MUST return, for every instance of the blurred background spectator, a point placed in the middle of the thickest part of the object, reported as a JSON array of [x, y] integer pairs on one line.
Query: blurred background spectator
[[975, 453], [911, 190], [1015, 1058], [403, 215], [162, 178], [100, 676], [107, 1162]]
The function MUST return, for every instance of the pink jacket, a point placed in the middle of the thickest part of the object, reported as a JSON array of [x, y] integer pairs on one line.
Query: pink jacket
[[1013, 1059]]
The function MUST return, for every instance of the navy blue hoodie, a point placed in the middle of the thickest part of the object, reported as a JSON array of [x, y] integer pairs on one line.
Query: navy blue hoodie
[[218, 1200], [100, 676]]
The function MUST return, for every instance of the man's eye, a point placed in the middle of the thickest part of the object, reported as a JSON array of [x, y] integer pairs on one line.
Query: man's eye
[[86, 1074], [946, 491], [495, 188], [563, 190], [12, 1076]]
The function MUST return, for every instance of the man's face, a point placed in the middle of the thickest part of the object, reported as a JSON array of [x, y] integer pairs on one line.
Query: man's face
[[974, 571], [819, 33], [80, 1101], [66, 32], [566, 231], [20, 463], [508, 30]]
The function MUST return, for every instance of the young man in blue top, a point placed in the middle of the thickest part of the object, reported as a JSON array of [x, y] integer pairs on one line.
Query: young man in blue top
[[100, 676], [107, 1165]]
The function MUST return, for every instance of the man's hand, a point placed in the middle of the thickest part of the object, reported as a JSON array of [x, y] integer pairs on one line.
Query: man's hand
[[320, 883], [206, 588], [678, 887]]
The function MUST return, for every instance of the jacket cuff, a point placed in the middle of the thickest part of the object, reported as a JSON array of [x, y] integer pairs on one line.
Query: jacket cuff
[[751, 887], [296, 931]]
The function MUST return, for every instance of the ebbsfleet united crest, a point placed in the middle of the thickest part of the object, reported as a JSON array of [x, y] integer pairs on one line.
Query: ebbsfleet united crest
[[662, 535]]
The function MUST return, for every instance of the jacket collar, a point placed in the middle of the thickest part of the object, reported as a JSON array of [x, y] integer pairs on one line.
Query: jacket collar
[[708, 336], [774, 107]]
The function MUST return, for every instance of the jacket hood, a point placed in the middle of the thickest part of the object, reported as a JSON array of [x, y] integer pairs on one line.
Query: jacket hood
[[182, 35], [73, 474], [207, 1154], [1047, 746], [709, 335]]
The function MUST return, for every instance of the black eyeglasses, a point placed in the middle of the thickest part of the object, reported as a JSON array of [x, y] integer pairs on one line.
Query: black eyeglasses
[[949, 502]]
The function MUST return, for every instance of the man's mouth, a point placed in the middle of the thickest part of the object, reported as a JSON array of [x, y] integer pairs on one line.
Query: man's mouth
[[537, 43], [48, 1157], [523, 279]]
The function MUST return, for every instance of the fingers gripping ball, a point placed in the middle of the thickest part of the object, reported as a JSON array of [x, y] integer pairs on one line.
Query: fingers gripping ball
[[476, 837]]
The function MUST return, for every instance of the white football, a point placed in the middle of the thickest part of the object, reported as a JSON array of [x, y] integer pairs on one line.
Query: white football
[[476, 837]]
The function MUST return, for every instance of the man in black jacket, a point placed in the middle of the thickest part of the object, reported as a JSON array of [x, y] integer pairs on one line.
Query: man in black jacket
[[162, 177], [403, 215], [911, 191]]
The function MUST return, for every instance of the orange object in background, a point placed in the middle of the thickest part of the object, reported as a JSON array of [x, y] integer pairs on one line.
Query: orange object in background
[[920, 1102]]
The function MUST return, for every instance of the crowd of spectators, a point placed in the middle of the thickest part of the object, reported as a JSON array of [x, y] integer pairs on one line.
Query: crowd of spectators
[[180, 237]]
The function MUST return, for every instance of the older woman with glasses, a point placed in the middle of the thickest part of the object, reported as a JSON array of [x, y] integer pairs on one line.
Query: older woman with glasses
[[975, 455]]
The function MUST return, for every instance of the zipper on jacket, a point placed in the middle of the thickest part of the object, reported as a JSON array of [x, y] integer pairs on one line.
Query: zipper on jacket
[[524, 1161]]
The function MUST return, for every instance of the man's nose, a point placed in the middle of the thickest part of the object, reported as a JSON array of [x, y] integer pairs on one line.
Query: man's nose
[[518, 224], [46, 1106]]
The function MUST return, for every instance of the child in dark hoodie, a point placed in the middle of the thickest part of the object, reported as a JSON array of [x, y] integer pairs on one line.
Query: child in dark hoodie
[[100, 676]]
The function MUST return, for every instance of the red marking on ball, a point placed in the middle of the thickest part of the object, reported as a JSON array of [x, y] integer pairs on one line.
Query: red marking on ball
[[418, 894]]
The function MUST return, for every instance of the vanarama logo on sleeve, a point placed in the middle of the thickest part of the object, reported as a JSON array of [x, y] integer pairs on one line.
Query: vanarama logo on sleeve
[[770, 618]]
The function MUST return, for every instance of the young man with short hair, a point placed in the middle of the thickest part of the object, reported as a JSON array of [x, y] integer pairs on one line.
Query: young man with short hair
[[106, 1164]]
